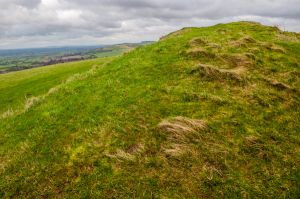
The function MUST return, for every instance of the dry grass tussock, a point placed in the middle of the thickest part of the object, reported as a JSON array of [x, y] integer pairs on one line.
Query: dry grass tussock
[[214, 73], [131, 154], [198, 52], [188, 142], [243, 42], [200, 48], [288, 36], [211, 170], [254, 146], [197, 42], [272, 47], [29, 102], [180, 132], [179, 125], [7, 113], [238, 60], [251, 140], [281, 86]]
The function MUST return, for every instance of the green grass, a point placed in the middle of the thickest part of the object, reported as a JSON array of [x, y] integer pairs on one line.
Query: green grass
[[204, 113], [15, 87]]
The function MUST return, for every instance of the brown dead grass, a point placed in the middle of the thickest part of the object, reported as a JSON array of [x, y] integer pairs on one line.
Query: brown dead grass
[[201, 42], [243, 42], [237, 60], [214, 73], [272, 47], [189, 142], [248, 39], [131, 154], [181, 124], [214, 45], [288, 36], [199, 52], [281, 86], [278, 49], [179, 132], [198, 41]]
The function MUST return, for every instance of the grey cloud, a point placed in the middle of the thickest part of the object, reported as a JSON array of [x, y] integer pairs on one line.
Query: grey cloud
[[40, 22], [24, 3]]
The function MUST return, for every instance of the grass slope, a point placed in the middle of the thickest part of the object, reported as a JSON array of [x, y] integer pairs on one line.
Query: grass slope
[[16, 87], [203, 113]]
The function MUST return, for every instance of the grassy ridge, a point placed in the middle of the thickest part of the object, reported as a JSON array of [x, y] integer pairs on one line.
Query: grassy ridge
[[205, 112]]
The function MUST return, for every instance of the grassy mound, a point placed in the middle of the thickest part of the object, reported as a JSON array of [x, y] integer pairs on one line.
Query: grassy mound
[[203, 113]]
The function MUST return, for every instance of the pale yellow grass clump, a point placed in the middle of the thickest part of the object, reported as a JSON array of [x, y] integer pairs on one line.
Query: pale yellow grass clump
[[211, 170], [178, 125], [131, 154], [29, 102], [215, 73], [7, 113], [179, 132], [197, 52], [238, 60], [288, 36], [243, 42]]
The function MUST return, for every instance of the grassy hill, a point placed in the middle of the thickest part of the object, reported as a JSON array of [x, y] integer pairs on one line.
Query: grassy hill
[[203, 113]]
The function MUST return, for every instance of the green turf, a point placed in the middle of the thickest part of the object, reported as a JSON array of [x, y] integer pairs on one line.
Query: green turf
[[15, 87], [203, 113]]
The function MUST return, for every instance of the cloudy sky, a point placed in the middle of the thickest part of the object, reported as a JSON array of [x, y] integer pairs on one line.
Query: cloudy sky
[[38, 23]]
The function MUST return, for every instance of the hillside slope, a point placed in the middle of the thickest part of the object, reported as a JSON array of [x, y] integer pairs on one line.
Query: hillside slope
[[17, 87], [203, 113]]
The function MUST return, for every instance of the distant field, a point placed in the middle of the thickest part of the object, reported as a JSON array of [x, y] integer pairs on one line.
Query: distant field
[[20, 59], [15, 87]]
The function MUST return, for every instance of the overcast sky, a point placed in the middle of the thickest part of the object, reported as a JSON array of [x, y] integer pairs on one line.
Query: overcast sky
[[37, 23]]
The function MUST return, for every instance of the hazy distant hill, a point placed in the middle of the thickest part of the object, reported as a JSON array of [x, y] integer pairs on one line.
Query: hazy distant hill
[[45, 51]]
